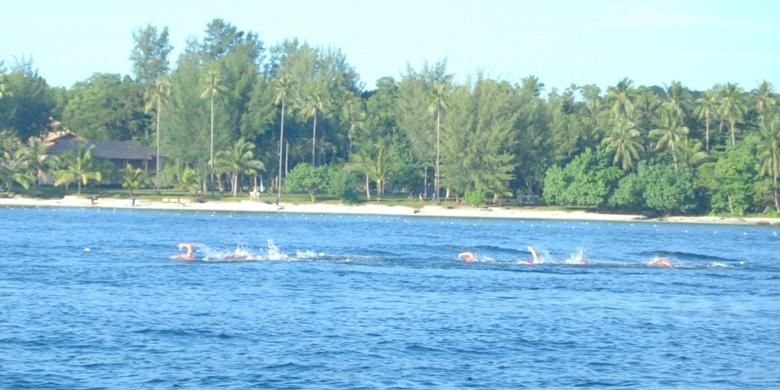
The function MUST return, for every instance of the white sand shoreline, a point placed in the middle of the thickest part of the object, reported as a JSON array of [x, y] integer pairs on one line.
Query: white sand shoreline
[[373, 209]]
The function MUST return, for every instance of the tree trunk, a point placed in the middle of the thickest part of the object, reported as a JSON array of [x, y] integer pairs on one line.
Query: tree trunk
[[211, 148], [777, 201], [235, 184], [438, 141], [281, 143], [707, 122], [733, 137], [425, 182], [368, 187], [314, 142], [731, 204], [157, 164]]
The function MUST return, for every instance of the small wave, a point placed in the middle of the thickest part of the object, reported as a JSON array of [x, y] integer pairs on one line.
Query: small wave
[[682, 255]]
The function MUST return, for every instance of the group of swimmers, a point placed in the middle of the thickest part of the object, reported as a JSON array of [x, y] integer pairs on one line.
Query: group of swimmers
[[186, 253], [469, 257]]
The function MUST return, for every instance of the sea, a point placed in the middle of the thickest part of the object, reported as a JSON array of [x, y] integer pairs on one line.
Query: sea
[[100, 298]]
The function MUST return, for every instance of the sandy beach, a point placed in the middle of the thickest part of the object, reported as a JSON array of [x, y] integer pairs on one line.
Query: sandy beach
[[372, 209]]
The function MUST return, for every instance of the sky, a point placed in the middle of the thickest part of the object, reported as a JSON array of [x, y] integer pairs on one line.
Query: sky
[[653, 42]]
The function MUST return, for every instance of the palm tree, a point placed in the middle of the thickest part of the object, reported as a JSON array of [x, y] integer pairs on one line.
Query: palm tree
[[239, 160], [763, 99], [79, 169], [133, 179], [37, 157], [438, 105], [769, 154], [189, 180], [676, 100], [670, 135], [707, 108], [213, 88], [623, 139], [731, 107], [593, 105], [353, 114], [155, 101], [14, 168], [283, 89], [622, 97], [310, 105], [690, 155]]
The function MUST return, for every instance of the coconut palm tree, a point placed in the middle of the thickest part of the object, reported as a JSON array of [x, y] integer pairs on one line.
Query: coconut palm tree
[[14, 168], [37, 157], [283, 88], [731, 107], [624, 141], [353, 113], [670, 135], [676, 101], [155, 101], [763, 99], [690, 154], [213, 87], [438, 105], [707, 109], [133, 178], [769, 154], [622, 98], [239, 160], [79, 169], [310, 105]]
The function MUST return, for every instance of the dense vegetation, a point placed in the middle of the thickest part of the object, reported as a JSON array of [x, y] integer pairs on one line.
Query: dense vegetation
[[232, 109]]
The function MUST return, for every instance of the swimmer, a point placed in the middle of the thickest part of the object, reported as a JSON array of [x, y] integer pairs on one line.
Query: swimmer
[[467, 257], [661, 262], [188, 255], [238, 254], [535, 259]]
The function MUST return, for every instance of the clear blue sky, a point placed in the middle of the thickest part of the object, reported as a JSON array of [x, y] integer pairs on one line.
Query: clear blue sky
[[700, 42]]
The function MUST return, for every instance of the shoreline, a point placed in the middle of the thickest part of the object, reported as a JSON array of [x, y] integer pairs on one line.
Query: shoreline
[[248, 206]]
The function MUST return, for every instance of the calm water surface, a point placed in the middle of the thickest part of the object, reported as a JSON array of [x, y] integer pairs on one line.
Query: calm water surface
[[91, 298]]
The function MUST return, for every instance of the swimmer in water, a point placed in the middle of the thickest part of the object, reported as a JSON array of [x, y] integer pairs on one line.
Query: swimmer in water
[[467, 257], [661, 262], [185, 252], [535, 259], [238, 254]]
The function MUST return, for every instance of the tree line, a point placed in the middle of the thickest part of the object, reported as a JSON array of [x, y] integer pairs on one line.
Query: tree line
[[231, 109]]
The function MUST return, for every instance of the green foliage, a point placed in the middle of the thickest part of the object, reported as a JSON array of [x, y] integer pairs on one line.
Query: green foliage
[[27, 102], [189, 181], [306, 178], [628, 194], [79, 168], [667, 189], [585, 181], [341, 184], [150, 54], [475, 197], [238, 160], [106, 107], [731, 180], [134, 178], [295, 103]]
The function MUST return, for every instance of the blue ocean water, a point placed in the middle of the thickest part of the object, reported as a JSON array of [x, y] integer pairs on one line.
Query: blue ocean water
[[92, 298]]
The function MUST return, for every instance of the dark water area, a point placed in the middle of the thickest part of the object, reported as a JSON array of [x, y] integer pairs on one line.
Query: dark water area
[[92, 298]]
